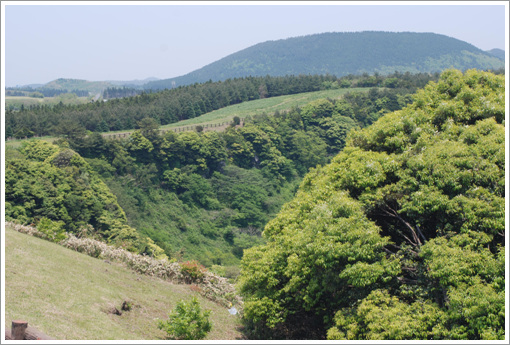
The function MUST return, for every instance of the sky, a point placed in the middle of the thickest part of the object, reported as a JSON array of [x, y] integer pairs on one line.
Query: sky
[[126, 41]]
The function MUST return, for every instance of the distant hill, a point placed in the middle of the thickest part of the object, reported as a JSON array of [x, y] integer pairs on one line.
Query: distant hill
[[499, 53], [33, 86], [342, 54], [93, 87], [133, 83]]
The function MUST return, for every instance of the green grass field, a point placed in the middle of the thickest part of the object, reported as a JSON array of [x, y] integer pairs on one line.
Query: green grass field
[[68, 295], [15, 102], [266, 105]]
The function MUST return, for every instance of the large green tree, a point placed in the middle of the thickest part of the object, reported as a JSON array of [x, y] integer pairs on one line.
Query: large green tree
[[402, 235], [46, 181]]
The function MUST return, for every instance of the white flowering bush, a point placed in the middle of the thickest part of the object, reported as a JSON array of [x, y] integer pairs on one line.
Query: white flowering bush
[[140, 263], [25, 229], [211, 286]]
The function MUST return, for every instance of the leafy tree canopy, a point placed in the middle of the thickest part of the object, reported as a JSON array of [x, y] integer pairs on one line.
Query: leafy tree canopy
[[402, 235], [51, 183]]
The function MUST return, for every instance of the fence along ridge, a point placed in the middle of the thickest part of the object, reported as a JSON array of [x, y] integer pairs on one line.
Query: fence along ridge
[[175, 129]]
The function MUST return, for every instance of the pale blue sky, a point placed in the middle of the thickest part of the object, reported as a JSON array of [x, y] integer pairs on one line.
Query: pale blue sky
[[124, 42]]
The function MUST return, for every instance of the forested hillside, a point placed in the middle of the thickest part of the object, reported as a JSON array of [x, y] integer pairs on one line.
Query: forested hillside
[[379, 215], [499, 53], [163, 107], [57, 189], [341, 54], [188, 102], [402, 236], [197, 195]]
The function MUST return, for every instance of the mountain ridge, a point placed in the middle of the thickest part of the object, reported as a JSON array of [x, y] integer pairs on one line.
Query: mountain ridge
[[426, 52], [342, 53], [499, 53]]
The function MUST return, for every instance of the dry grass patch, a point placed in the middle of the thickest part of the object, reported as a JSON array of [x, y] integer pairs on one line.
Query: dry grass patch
[[67, 295]]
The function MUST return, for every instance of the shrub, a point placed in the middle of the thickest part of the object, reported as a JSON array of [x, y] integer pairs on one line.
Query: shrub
[[187, 321], [192, 271], [209, 285], [52, 230]]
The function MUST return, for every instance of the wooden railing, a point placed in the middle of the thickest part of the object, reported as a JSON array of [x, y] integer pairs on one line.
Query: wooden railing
[[205, 127]]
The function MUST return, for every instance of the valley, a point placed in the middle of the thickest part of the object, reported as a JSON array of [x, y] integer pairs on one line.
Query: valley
[[280, 205], [363, 201]]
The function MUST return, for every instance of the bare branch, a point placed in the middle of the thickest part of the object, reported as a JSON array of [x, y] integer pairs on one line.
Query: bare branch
[[407, 281], [390, 212], [421, 233]]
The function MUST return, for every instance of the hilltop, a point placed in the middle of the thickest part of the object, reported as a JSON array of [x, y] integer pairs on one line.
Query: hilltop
[[499, 53], [78, 84], [335, 53], [342, 54], [79, 87]]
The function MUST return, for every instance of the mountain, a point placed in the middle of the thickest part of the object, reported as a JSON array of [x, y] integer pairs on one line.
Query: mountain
[[342, 54], [92, 87], [133, 83], [499, 53], [33, 86]]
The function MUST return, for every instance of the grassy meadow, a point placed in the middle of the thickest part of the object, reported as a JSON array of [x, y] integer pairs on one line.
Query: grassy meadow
[[15, 102], [259, 106], [70, 296], [266, 105]]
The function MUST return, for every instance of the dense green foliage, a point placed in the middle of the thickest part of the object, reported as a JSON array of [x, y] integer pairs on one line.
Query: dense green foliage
[[182, 103], [120, 92], [56, 189], [187, 321], [342, 54], [164, 107], [401, 236], [206, 196]]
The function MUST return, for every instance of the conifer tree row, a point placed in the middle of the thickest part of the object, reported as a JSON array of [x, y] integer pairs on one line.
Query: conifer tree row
[[181, 103]]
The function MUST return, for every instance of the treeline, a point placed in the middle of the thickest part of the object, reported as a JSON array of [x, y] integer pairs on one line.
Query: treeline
[[207, 195], [42, 92], [182, 103], [120, 92]]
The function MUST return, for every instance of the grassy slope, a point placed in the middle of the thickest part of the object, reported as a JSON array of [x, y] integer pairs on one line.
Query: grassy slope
[[67, 295], [17, 101], [266, 105], [79, 84]]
